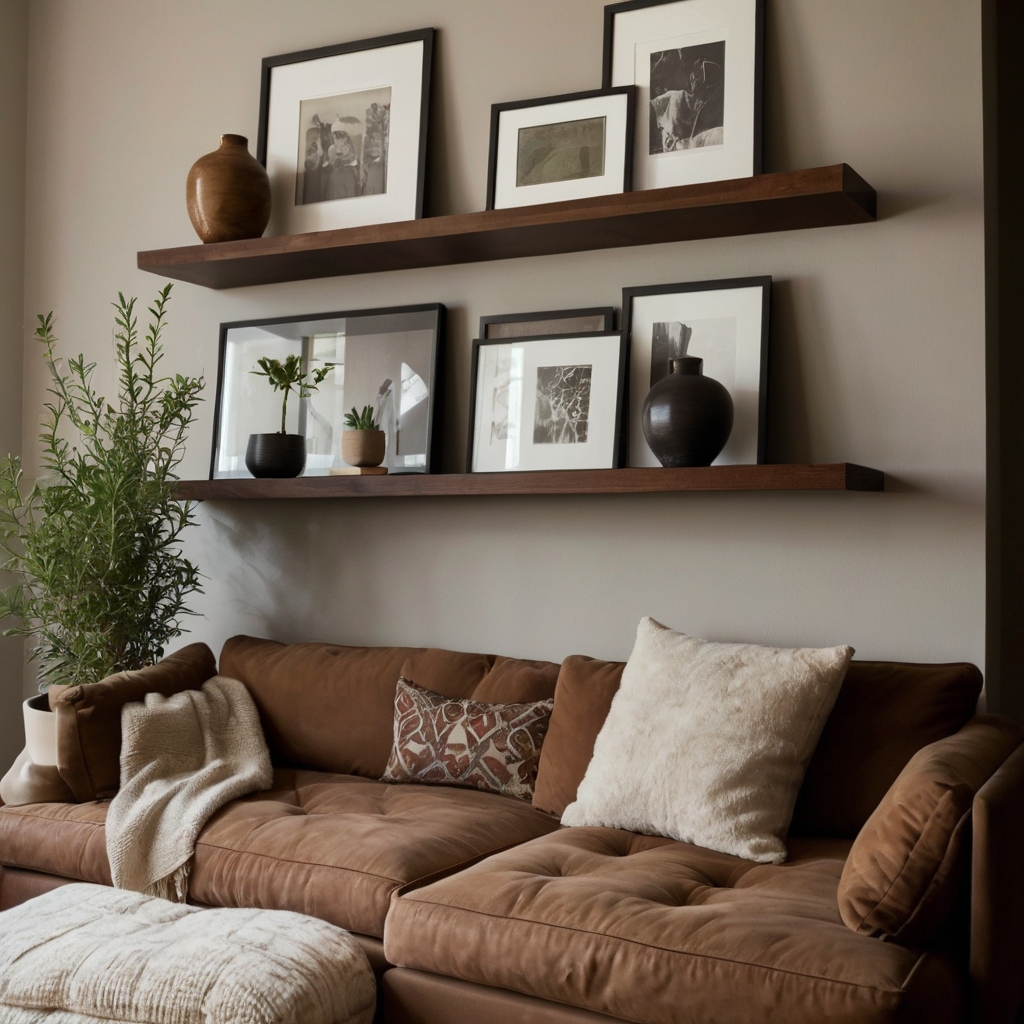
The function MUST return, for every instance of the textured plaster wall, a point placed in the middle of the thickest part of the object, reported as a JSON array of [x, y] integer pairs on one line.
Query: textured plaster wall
[[13, 84], [877, 331]]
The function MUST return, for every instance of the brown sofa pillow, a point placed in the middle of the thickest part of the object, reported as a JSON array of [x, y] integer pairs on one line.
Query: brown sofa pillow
[[886, 712], [904, 869], [583, 696], [89, 717]]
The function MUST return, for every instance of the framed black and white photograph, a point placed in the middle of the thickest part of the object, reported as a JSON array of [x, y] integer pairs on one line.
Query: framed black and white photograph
[[697, 66], [547, 403], [593, 320], [343, 132], [561, 147], [390, 359], [725, 323]]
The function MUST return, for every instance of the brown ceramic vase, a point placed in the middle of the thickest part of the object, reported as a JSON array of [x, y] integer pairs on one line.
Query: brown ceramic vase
[[228, 193], [363, 448]]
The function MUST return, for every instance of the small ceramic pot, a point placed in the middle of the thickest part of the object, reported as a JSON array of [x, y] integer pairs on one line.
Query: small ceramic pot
[[276, 455], [687, 417], [228, 193], [363, 448]]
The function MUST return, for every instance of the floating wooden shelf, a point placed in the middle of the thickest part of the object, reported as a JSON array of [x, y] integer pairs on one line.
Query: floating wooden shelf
[[820, 197], [839, 476]]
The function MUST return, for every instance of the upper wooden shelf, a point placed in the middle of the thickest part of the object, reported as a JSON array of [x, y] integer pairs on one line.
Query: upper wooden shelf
[[839, 476], [819, 197]]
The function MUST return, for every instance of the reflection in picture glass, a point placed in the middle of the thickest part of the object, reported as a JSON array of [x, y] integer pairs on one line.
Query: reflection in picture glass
[[561, 152], [343, 146]]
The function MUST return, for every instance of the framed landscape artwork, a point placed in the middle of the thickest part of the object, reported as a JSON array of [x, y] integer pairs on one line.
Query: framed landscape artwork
[[697, 68], [546, 403], [726, 324], [561, 147], [594, 320], [386, 358], [343, 132]]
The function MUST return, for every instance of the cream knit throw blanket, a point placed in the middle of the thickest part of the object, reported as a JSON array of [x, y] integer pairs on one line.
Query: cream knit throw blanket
[[182, 759], [85, 954]]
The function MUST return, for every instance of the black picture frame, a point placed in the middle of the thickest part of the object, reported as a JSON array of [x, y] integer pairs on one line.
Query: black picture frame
[[436, 384], [498, 109], [621, 408], [728, 284], [603, 313], [424, 35], [625, 6]]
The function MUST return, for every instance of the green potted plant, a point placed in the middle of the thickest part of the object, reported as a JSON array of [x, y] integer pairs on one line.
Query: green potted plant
[[363, 443], [282, 454], [94, 545]]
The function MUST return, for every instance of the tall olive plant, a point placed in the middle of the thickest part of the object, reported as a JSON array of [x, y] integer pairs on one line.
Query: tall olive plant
[[94, 546]]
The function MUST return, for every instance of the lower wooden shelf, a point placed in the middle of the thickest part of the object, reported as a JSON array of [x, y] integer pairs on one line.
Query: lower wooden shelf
[[838, 476]]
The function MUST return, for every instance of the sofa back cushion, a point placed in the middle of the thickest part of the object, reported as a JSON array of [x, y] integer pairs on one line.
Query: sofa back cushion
[[885, 713], [89, 717], [905, 868], [332, 708]]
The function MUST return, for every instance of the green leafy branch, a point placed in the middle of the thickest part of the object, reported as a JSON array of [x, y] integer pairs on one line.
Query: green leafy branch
[[364, 420], [288, 377], [95, 545]]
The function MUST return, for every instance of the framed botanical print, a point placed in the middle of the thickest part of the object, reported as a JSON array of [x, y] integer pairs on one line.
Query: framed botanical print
[[390, 359], [697, 68], [561, 147], [343, 132], [593, 320], [547, 403], [726, 323]]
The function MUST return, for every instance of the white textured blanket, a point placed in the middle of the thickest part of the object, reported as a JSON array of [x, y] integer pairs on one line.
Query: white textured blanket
[[182, 759], [84, 954]]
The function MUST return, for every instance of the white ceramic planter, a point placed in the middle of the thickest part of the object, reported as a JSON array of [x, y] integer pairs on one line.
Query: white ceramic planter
[[40, 730]]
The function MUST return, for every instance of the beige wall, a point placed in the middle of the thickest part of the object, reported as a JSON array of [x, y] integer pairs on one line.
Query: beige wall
[[878, 331], [13, 52]]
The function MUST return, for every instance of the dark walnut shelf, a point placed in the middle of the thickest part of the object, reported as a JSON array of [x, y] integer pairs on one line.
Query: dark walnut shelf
[[839, 476], [820, 197]]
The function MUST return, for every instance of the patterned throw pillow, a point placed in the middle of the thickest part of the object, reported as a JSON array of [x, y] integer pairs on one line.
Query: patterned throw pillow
[[465, 742]]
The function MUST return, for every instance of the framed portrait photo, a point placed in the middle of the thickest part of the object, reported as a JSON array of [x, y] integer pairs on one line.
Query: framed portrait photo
[[561, 147], [389, 359], [697, 66], [593, 320], [343, 132], [725, 323], [547, 403]]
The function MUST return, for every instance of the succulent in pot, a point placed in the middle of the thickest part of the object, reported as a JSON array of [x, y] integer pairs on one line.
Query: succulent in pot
[[282, 454], [363, 443]]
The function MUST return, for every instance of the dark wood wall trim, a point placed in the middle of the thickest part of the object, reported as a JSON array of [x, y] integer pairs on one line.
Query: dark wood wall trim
[[1002, 49]]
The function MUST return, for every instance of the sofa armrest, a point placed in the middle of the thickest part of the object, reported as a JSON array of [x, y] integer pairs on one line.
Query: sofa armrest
[[997, 895]]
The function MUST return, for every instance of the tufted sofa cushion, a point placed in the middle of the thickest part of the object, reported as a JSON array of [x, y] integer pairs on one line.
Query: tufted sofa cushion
[[644, 928]]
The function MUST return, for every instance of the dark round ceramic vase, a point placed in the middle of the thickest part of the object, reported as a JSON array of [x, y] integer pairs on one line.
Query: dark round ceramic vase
[[228, 193], [276, 455], [687, 417]]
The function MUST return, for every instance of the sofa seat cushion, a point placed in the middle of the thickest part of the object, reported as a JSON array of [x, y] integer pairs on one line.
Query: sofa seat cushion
[[656, 931], [337, 846], [57, 839]]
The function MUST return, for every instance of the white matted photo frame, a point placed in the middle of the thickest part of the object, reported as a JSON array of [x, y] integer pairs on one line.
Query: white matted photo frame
[[547, 403], [343, 132], [698, 69], [391, 359], [725, 323], [561, 147]]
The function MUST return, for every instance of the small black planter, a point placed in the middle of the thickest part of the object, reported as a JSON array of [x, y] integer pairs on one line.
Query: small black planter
[[687, 417], [276, 455]]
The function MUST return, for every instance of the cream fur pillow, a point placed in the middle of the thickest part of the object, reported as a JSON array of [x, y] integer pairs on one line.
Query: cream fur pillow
[[707, 743]]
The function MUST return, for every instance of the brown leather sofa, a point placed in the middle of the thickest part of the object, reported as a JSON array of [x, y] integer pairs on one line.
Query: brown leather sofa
[[479, 906]]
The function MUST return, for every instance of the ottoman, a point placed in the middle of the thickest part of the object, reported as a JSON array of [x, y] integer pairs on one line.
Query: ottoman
[[88, 953]]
